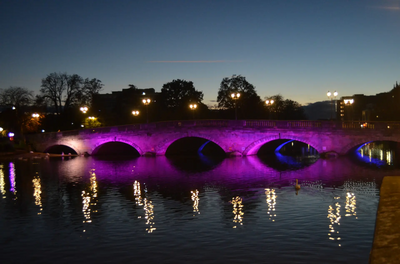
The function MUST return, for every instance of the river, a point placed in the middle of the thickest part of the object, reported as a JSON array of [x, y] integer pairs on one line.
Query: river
[[188, 210]]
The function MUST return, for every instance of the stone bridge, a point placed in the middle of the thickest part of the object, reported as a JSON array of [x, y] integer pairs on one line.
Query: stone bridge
[[235, 137]]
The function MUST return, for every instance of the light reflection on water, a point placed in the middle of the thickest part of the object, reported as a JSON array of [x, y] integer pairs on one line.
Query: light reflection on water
[[37, 192], [378, 153], [148, 210], [2, 182]]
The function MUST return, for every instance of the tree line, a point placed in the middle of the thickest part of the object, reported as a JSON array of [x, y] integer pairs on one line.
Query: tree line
[[61, 95]]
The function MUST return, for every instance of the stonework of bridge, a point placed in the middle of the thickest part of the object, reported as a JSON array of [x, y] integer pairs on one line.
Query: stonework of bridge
[[235, 137]]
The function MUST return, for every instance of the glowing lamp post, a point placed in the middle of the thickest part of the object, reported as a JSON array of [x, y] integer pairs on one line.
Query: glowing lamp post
[[193, 107], [135, 113], [269, 104], [146, 102], [235, 97], [332, 96], [84, 109], [35, 119]]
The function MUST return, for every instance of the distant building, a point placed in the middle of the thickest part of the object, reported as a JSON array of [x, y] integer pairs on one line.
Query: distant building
[[379, 107], [116, 108]]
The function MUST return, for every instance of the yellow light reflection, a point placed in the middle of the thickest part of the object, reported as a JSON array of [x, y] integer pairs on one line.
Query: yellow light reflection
[[334, 217], [89, 198], [149, 215], [237, 203], [93, 183], [196, 200], [271, 202], [389, 158], [148, 207], [351, 204], [86, 207], [37, 191], [2, 182], [137, 193]]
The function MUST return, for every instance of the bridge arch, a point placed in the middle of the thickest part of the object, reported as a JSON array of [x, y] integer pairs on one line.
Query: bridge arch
[[356, 143], [61, 148], [99, 143], [162, 147], [72, 144], [254, 147]]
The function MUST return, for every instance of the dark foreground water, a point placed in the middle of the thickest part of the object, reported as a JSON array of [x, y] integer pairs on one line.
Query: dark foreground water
[[160, 210]]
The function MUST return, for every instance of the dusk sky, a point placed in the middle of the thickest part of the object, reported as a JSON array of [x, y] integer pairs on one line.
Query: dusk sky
[[299, 49]]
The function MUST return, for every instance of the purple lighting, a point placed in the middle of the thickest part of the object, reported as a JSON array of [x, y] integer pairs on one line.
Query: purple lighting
[[12, 178]]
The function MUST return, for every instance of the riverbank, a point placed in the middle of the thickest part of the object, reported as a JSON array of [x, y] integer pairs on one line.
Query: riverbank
[[386, 245], [24, 154]]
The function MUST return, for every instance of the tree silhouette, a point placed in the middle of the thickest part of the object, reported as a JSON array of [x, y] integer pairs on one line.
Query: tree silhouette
[[64, 91], [249, 104], [16, 96], [179, 93], [285, 109]]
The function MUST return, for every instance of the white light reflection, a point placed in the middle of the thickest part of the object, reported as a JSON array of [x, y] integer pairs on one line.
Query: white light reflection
[[334, 217], [13, 183], [2, 182], [271, 202], [196, 200], [37, 192], [237, 203]]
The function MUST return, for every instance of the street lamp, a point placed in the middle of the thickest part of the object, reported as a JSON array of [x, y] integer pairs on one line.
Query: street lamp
[[269, 104], [193, 107], [235, 96], [146, 102], [332, 96], [84, 109], [35, 120], [135, 113]]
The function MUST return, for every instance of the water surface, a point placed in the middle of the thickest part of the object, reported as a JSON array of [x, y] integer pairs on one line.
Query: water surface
[[187, 210]]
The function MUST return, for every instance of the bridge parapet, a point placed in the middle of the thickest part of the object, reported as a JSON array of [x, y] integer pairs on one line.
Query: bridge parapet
[[244, 136]]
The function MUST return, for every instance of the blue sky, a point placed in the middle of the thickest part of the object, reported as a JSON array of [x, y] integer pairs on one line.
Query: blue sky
[[299, 49]]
